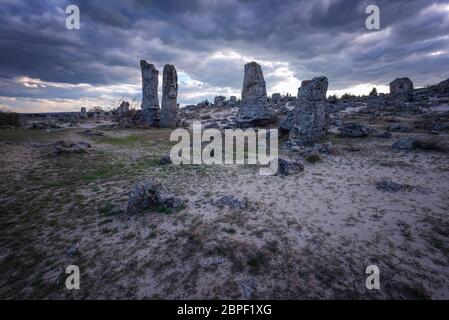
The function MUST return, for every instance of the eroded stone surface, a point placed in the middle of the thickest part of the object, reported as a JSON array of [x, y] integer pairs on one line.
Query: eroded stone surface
[[253, 110], [401, 88], [150, 99], [308, 120], [169, 108]]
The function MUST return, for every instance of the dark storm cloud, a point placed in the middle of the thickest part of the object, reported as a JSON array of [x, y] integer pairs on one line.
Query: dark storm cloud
[[209, 41]]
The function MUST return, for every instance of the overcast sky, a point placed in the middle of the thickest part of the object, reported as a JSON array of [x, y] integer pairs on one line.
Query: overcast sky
[[45, 67]]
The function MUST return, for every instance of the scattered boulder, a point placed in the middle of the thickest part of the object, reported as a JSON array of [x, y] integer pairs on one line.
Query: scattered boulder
[[390, 186], [169, 108], [438, 127], [253, 110], [45, 125], [288, 167], [62, 147], [232, 202], [353, 130], [93, 133], [165, 160], [404, 144], [384, 135], [413, 143], [73, 251], [398, 127], [150, 194], [248, 287]]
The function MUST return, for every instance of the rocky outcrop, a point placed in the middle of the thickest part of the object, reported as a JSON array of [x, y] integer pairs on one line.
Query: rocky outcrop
[[276, 98], [390, 186], [219, 101], [353, 130], [66, 148], [83, 113], [401, 89], [150, 194], [307, 122], [232, 101], [253, 110], [123, 109], [169, 108], [150, 99], [288, 167], [232, 202]]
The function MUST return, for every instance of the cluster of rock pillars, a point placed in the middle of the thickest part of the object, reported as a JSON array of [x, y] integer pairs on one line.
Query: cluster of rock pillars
[[305, 124]]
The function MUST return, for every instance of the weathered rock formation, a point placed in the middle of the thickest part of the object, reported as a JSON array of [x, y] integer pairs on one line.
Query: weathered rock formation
[[83, 113], [169, 108], [150, 99], [276, 98], [219, 101], [123, 109], [401, 89], [232, 101], [440, 90], [307, 123], [353, 130], [151, 195], [65, 148], [253, 110], [287, 166]]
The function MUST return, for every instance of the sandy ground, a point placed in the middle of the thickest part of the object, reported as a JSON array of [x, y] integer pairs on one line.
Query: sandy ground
[[305, 236]]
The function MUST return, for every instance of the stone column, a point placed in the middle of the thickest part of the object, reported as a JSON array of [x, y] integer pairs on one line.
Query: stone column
[[253, 110], [401, 89], [83, 113], [150, 99], [169, 108], [308, 121]]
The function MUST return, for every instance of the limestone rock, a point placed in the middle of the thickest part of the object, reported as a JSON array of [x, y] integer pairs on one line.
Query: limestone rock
[[232, 101], [390, 186], [123, 109], [219, 101], [253, 110], [150, 99], [398, 127], [150, 194], [287, 166], [308, 120], [401, 89], [232, 202], [353, 130], [313, 90], [404, 144], [169, 108], [96, 133], [62, 147], [276, 98], [83, 113], [165, 160]]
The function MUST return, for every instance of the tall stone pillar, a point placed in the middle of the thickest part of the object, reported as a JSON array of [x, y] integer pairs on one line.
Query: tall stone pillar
[[253, 110], [150, 99], [308, 122], [169, 107]]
